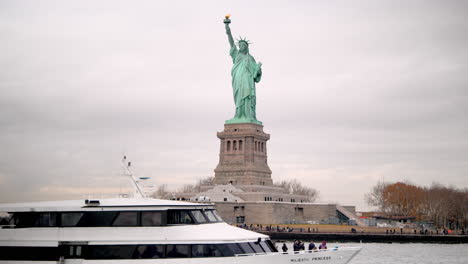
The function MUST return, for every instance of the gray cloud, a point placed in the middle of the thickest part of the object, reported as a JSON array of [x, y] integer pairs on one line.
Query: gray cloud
[[352, 92]]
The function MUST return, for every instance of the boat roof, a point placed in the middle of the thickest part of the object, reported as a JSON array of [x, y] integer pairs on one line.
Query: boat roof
[[100, 205]]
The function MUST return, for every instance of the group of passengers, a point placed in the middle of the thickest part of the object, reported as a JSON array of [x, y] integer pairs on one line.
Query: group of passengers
[[271, 228], [299, 246]]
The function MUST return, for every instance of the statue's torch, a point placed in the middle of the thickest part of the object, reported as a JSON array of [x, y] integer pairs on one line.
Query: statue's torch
[[227, 20]]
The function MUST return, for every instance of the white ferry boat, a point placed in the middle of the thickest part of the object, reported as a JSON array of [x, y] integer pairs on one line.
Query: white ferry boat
[[138, 230]]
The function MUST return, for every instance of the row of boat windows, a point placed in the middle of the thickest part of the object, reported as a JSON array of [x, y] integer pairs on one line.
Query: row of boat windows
[[134, 251], [113, 218]]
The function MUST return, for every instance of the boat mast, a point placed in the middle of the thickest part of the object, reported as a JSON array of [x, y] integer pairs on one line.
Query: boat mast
[[128, 173]]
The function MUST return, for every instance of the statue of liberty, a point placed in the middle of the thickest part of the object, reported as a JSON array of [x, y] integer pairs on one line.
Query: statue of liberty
[[245, 73]]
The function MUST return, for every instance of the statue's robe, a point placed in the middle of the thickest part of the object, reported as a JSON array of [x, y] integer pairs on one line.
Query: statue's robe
[[245, 73]]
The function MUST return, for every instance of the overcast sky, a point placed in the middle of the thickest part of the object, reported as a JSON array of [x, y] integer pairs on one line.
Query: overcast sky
[[352, 92]]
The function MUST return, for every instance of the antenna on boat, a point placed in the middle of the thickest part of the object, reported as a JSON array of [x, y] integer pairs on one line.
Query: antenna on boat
[[127, 172]]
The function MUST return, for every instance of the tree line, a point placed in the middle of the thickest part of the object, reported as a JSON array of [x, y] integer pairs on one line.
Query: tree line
[[289, 186], [444, 206], [296, 187]]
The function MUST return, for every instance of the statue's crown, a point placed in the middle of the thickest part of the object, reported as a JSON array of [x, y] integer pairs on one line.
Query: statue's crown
[[240, 39]]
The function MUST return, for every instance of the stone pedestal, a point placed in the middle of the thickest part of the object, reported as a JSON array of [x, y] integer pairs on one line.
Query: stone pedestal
[[243, 156]]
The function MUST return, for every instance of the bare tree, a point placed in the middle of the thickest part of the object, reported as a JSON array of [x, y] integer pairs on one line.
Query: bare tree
[[434, 202], [188, 188], [376, 196], [295, 187], [162, 192], [444, 206], [206, 181], [194, 188]]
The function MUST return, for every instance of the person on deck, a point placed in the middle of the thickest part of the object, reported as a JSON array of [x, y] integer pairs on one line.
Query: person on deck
[[312, 246], [301, 245], [296, 246], [284, 248], [323, 245]]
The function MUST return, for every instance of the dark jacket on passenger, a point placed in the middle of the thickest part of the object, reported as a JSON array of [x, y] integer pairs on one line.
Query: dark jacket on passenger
[[312, 246]]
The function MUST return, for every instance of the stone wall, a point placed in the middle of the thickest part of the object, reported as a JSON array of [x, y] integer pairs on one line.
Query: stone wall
[[272, 196], [277, 212]]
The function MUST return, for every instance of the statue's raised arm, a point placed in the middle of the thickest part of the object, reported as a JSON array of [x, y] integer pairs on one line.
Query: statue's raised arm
[[227, 21], [245, 73]]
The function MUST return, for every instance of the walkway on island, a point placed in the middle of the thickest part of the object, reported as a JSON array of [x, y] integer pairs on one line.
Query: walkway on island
[[346, 233]]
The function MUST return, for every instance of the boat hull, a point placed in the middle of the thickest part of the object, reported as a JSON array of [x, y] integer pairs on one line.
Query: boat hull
[[334, 256]]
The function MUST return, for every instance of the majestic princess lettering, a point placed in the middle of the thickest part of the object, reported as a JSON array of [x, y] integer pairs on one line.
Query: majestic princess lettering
[[245, 73]]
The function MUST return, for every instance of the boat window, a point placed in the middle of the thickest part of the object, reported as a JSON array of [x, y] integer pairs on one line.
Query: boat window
[[178, 251], [24, 219], [197, 214], [45, 220], [126, 251], [211, 216], [78, 251], [70, 219], [126, 219], [199, 251], [217, 215], [112, 218], [215, 251], [97, 219], [151, 219], [265, 247], [13, 221], [110, 252], [235, 248], [271, 245], [73, 251], [149, 252], [27, 219], [256, 247], [178, 217], [208, 250], [246, 248], [34, 219], [225, 250], [5, 219], [29, 253]]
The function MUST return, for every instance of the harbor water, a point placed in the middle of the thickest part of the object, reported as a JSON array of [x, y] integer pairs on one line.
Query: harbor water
[[396, 253]]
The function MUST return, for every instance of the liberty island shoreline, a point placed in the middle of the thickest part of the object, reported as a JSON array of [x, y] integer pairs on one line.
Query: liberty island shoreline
[[347, 233]]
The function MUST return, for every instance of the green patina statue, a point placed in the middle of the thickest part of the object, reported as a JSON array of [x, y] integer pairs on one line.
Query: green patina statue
[[245, 73]]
